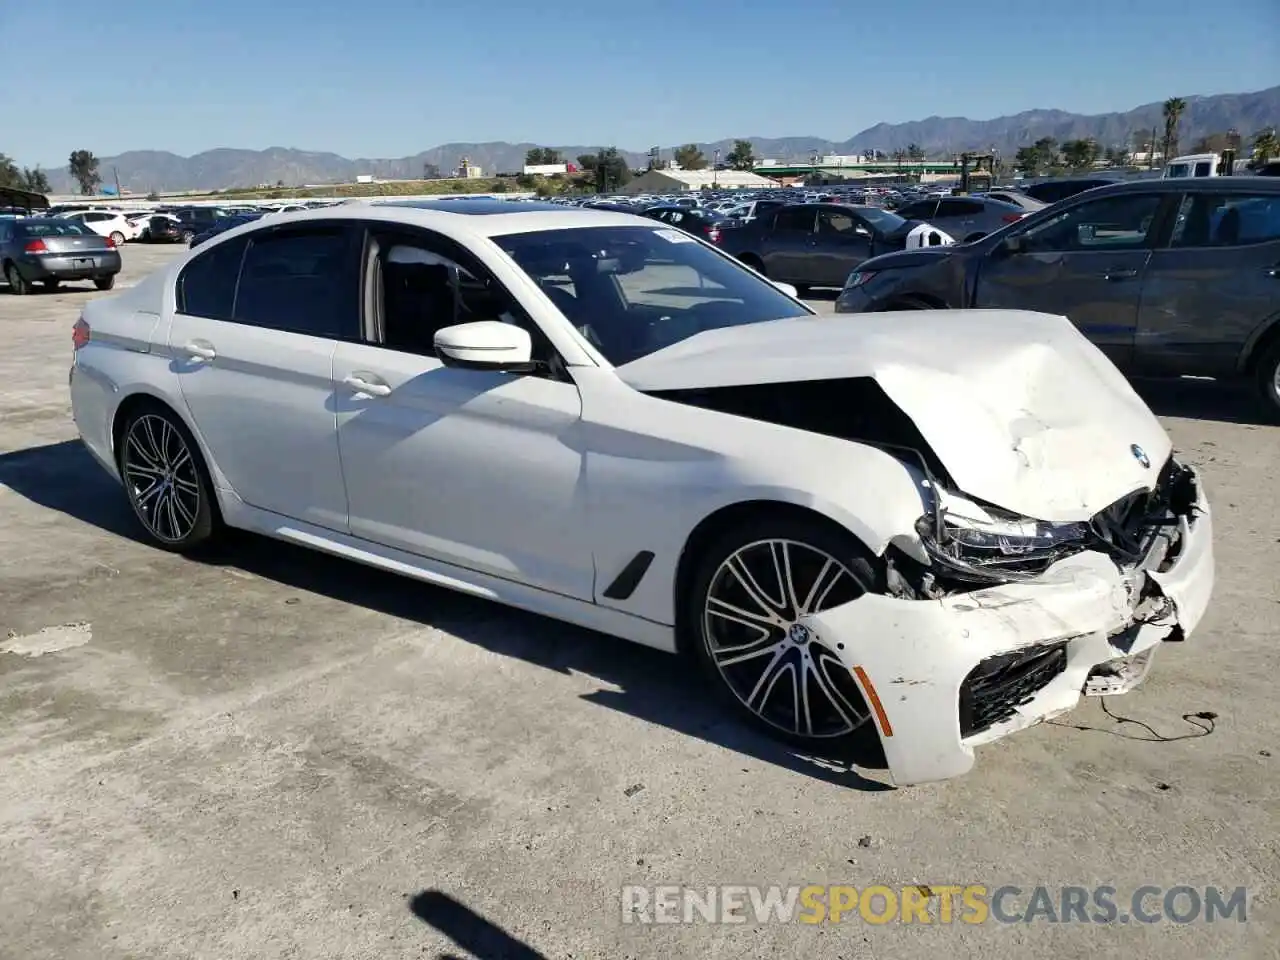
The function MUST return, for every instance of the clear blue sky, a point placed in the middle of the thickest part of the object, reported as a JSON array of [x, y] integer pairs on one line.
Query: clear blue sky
[[387, 78]]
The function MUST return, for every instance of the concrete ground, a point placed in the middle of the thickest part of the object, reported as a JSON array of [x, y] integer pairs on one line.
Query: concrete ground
[[277, 754]]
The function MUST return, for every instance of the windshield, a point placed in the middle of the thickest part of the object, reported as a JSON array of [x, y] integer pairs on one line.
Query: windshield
[[882, 220], [55, 228], [634, 290]]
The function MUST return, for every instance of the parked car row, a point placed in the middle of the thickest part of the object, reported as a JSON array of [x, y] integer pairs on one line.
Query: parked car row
[[1167, 277]]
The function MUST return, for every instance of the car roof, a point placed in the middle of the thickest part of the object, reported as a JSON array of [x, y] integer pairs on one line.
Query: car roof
[[1198, 184], [465, 219]]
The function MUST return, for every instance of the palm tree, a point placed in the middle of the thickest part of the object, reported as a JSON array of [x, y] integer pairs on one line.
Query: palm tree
[[1172, 110], [1265, 146]]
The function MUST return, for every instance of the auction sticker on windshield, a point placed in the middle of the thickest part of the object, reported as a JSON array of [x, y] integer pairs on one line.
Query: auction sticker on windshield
[[674, 236]]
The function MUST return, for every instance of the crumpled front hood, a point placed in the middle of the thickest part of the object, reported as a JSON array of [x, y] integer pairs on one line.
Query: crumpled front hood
[[1023, 411]]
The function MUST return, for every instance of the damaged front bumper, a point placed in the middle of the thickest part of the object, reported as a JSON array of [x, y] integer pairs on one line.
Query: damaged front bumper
[[943, 676]]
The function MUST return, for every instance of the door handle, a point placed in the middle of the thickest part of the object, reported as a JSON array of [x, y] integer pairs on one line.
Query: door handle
[[361, 385], [199, 350], [1114, 275]]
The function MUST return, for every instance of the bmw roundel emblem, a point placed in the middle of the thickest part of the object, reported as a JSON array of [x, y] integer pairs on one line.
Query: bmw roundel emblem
[[1140, 455]]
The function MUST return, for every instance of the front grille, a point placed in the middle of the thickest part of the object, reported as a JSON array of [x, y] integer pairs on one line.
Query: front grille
[[996, 687], [1129, 525]]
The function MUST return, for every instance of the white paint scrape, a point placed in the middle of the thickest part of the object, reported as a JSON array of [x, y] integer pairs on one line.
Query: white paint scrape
[[49, 640]]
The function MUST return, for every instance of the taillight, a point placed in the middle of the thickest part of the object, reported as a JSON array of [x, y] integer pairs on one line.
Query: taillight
[[111, 244], [80, 334], [36, 246], [1012, 217]]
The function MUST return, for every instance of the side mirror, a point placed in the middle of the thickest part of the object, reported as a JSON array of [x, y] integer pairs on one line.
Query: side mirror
[[485, 345], [786, 288]]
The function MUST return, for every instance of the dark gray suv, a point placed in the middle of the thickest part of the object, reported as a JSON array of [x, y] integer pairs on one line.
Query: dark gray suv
[[1168, 277]]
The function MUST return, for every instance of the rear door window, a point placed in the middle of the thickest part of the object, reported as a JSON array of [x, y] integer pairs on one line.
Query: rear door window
[[1226, 220], [795, 219], [301, 280]]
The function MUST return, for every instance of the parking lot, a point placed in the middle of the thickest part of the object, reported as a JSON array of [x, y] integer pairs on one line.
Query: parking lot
[[271, 753]]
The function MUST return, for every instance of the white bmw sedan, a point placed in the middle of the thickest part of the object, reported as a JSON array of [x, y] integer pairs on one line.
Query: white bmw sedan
[[912, 531]]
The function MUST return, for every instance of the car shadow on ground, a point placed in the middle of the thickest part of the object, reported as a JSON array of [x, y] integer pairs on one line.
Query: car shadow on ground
[[64, 477], [481, 938], [1202, 400]]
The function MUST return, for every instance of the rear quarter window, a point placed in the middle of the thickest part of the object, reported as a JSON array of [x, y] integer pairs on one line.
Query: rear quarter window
[[207, 285]]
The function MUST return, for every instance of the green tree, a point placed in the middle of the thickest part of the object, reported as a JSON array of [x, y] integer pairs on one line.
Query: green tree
[[606, 170], [83, 165], [1027, 160], [36, 180], [430, 171], [689, 157], [742, 156], [10, 175], [540, 156], [1079, 154], [914, 152], [1266, 146], [1172, 110]]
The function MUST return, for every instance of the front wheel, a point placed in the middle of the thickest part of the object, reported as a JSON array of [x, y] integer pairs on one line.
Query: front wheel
[[166, 481], [1268, 381], [744, 611]]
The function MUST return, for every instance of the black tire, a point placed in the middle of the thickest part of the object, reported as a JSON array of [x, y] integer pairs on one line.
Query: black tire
[[754, 262], [704, 634], [51, 285], [188, 236], [802, 290], [156, 448], [19, 285], [1267, 381], [105, 283]]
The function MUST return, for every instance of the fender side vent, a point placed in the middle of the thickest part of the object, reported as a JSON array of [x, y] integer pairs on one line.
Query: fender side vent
[[624, 585]]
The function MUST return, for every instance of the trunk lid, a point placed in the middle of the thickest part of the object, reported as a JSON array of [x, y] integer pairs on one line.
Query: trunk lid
[[1023, 411], [73, 244]]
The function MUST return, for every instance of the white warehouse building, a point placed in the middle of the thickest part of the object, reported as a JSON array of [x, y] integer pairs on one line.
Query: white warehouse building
[[679, 181]]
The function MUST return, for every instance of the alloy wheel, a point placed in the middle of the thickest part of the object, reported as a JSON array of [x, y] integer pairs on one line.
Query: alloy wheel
[[162, 478], [771, 660]]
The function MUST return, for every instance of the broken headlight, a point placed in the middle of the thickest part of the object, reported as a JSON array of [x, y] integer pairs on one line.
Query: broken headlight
[[986, 545], [1011, 538]]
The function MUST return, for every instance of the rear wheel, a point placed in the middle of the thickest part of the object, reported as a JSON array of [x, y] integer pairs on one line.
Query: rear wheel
[[165, 479], [1267, 380], [117, 238], [51, 285], [747, 598], [105, 283], [18, 284]]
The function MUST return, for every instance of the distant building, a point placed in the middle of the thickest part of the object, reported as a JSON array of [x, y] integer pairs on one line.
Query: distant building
[[545, 169], [679, 181], [364, 178]]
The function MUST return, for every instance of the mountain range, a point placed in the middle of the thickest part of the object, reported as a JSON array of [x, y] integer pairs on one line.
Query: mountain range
[[147, 170]]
